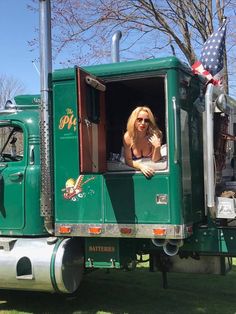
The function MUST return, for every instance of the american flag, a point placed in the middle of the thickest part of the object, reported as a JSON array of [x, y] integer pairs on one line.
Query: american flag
[[211, 62]]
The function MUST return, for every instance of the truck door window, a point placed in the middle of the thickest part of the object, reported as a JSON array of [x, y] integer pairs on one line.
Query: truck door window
[[11, 143], [122, 97]]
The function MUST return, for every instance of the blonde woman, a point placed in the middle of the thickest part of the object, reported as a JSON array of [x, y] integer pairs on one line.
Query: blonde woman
[[142, 140]]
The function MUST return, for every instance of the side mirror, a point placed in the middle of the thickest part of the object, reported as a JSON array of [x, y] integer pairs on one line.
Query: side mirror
[[221, 102]]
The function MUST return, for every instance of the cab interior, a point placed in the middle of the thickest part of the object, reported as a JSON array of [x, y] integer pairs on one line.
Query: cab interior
[[122, 97]]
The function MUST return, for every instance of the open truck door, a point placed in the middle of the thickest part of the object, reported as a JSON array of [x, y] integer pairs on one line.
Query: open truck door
[[91, 113]]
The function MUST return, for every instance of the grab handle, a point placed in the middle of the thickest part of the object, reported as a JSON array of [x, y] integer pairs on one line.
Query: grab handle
[[176, 152]]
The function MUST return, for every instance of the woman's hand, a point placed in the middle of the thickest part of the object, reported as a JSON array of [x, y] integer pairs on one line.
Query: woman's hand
[[155, 141], [147, 171]]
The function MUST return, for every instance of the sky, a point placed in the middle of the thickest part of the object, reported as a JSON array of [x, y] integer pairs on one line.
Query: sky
[[17, 60], [17, 25]]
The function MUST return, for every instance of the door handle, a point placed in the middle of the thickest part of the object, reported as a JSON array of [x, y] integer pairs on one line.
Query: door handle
[[16, 175], [3, 165]]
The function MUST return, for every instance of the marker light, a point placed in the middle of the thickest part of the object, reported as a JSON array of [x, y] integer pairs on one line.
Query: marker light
[[94, 230], [64, 229], [159, 231], [126, 230], [190, 229]]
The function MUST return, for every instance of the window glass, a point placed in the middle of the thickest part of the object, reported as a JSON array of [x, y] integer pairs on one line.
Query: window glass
[[11, 143]]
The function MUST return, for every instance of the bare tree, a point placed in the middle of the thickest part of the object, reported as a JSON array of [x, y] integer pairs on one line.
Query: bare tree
[[9, 87], [148, 26]]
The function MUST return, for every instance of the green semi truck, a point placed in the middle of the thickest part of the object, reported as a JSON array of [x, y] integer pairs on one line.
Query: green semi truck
[[68, 201]]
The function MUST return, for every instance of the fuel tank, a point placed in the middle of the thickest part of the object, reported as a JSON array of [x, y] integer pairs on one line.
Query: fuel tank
[[42, 264]]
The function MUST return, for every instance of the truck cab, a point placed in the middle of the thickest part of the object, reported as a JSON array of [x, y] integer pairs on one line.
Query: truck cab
[[95, 191], [20, 168]]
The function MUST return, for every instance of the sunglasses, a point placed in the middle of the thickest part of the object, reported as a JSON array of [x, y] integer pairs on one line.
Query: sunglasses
[[140, 120]]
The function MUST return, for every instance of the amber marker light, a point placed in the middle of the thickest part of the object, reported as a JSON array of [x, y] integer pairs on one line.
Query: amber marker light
[[159, 232], [94, 230], [64, 229], [126, 230]]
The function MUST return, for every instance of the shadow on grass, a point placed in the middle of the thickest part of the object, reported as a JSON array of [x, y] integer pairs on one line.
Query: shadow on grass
[[132, 292]]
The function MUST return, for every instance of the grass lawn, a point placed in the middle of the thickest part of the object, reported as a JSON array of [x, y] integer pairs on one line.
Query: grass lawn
[[133, 292]]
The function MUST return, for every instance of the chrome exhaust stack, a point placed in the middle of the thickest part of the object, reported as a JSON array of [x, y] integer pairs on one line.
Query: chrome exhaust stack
[[45, 136], [159, 242], [178, 242], [115, 51], [171, 247]]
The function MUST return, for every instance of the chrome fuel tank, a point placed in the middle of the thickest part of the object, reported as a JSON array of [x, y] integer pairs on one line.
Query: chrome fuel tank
[[42, 264]]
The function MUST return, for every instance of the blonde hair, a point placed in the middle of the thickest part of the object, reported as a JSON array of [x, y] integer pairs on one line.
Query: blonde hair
[[152, 127]]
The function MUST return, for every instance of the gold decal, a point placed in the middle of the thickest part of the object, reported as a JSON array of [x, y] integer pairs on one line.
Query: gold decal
[[68, 120]]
